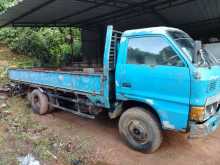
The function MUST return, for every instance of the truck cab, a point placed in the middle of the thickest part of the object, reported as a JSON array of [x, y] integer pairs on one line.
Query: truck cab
[[157, 71]]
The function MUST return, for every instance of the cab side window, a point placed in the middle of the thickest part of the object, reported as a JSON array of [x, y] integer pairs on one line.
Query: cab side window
[[152, 51]]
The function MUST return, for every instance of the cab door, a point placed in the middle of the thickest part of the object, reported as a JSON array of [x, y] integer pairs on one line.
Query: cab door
[[154, 72]]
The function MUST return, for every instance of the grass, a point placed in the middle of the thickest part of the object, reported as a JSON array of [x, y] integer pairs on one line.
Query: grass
[[20, 135], [11, 59], [8, 59]]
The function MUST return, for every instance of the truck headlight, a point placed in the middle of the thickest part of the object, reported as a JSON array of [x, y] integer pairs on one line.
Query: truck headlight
[[200, 114], [197, 114]]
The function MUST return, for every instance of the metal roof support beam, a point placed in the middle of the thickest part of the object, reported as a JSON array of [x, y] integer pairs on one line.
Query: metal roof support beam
[[202, 27], [210, 32], [188, 26], [80, 12], [138, 12], [29, 12], [115, 13], [170, 5], [112, 3], [199, 23], [134, 10], [157, 8], [164, 20]]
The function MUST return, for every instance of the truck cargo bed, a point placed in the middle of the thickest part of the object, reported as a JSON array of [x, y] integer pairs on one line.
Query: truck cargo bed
[[95, 82], [79, 81]]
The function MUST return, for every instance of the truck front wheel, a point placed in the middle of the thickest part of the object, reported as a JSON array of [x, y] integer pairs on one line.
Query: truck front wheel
[[140, 129], [39, 102]]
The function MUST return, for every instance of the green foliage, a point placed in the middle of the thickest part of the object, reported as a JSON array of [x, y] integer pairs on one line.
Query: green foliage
[[46, 44], [4, 4]]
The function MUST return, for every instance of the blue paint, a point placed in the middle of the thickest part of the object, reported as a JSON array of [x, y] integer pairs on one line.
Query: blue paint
[[201, 88], [160, 84], [75, 82], [106, 66], [169, 90]]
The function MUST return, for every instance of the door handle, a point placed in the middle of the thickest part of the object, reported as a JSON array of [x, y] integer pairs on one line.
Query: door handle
[[126, 85]]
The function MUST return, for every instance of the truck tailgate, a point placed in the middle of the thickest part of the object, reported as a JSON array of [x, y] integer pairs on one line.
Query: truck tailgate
[[73, 81]]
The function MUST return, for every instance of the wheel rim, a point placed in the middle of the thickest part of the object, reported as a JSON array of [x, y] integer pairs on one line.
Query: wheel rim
[[138, 131], [36, 101]]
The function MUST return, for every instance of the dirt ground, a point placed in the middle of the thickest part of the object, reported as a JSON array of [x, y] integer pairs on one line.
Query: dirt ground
[[23, 132], [176, 148]]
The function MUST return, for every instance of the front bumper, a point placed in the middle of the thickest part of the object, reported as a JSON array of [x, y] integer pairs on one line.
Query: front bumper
[[206, 128]]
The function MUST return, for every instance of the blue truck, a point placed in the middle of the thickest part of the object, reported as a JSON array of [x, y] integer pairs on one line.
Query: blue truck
[[154, 79]]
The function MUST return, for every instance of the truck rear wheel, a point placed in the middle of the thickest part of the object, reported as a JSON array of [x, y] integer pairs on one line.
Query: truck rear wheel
[[140, 129], [39, 102]]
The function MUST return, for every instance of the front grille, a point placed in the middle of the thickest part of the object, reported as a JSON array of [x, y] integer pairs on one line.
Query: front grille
[[213, 85]]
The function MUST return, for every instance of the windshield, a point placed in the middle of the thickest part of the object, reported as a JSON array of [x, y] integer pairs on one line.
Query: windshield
[[187, 45]]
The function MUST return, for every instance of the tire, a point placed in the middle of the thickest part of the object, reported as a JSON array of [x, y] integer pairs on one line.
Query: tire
[[141, 130], [39, 102]]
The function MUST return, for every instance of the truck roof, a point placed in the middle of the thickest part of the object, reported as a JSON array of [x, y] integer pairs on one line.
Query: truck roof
[[152, 30]]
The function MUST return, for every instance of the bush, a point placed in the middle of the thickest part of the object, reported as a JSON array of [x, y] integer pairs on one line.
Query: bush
[[4, 4], [46, 44]]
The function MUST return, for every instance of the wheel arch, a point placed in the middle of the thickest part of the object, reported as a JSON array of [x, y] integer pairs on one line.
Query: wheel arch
[[131, 103]]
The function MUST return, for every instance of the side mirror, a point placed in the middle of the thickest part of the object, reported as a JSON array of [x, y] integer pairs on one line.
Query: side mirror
[[198, 47]]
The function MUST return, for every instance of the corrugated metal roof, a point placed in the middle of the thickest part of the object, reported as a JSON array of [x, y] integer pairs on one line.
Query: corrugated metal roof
[[191, 15]]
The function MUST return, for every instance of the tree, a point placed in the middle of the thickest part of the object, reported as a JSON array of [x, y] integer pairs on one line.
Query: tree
[[4, 4]]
